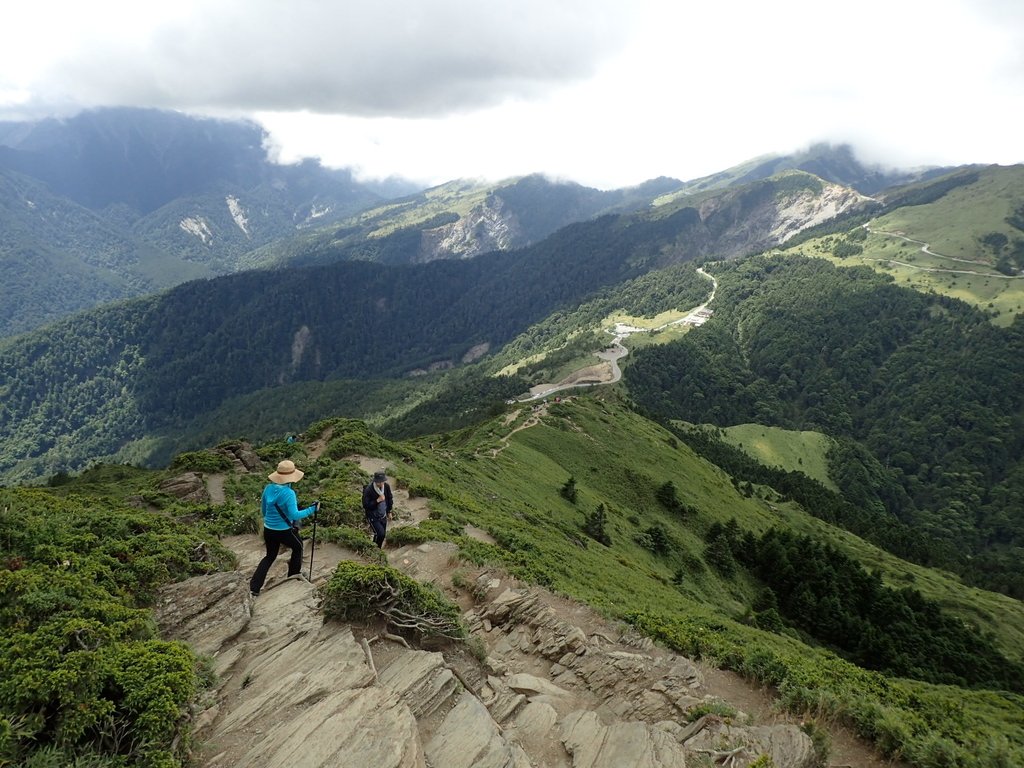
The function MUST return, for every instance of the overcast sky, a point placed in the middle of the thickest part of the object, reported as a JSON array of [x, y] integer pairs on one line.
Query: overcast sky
[[605, 92]]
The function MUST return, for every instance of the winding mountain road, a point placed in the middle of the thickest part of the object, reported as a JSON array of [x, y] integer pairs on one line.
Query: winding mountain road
[[926, 249], [593, 375]]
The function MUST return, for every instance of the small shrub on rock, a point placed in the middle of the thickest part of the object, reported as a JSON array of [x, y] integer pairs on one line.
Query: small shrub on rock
[[361, 592]]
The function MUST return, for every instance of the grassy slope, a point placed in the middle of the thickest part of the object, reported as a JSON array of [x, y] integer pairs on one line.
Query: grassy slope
[[614, 456], [457, 196], [790, 450], [504, 476], [954, 222], [951, 226]]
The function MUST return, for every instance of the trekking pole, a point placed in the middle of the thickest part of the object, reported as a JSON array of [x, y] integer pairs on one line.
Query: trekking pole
[[312, 547]]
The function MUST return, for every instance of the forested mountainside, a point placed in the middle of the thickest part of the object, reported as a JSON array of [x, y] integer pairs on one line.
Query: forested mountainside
[[115, 203], [121, 373], [59, 257], [928, 385], [121, 202]]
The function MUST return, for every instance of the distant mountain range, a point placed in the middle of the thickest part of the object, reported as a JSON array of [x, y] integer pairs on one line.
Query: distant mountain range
[[831, 162], [457, 272], [116, 203], [862, 344], [122, 202]]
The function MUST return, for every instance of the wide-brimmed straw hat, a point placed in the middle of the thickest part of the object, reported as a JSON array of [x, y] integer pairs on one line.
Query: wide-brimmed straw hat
[[286, 472]]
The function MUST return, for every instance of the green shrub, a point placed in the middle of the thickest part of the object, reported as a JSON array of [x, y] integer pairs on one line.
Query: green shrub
[[718, 707], [340, 508], [595, 525], [434, 529], [362, 592], [479, 552], [232, 519], [353, 436], [201, 461], [355, 539], [85, 680], [820, 738]]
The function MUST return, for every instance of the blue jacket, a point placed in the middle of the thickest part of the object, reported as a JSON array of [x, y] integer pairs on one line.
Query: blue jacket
[[277, 495]]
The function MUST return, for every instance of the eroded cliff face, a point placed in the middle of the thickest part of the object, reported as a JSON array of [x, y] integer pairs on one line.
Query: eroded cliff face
[[491, 226], [803, 211], [741, 223], [735, 222], [550, 683]]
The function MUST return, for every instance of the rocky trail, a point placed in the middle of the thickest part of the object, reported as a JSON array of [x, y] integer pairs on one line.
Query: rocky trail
[[543, 681], [550, 685]]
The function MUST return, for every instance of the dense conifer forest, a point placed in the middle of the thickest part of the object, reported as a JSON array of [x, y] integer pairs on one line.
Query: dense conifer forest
[[926, 384]]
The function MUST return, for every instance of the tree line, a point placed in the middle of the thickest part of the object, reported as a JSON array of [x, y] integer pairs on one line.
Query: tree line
[[924, 384], [825, 594]]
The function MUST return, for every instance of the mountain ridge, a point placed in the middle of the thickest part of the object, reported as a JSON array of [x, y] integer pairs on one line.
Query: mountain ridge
[[185, 351]]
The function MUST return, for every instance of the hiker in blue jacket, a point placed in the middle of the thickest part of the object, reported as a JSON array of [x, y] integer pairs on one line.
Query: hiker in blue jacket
[[281, 515], [377, 504]]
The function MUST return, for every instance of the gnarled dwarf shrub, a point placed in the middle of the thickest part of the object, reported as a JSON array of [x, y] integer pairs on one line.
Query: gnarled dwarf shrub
[[360, 592]]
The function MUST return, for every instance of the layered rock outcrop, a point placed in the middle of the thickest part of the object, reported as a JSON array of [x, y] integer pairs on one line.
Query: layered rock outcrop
[[540, 691]]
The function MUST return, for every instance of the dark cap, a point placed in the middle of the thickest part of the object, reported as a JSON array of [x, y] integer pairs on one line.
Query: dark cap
[[379, 477]]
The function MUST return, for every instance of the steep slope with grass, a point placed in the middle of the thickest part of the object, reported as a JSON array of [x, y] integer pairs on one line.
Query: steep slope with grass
[[459, 220], [789, 450], [585, 498], [926, 385]]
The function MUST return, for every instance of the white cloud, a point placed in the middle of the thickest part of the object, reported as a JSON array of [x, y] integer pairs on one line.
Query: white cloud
[[607, 92], [386, 57]]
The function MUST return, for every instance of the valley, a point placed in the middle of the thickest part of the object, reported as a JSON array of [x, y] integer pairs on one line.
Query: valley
[[594, 375], [727, 471]]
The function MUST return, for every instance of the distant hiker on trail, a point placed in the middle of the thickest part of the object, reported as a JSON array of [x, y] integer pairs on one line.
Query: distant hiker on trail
[[377, 504], [281, 515]]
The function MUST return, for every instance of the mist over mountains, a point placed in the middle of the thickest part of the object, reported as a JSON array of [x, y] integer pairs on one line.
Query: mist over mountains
[[115, 203], [118, 203], [134, 201], [816, 368]]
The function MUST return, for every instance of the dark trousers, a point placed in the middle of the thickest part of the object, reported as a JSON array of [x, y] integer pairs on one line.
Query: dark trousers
[[379, 524], [274, 539]]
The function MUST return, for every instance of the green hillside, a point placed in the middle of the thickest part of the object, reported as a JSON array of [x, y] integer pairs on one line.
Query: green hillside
[[835, 163], [58, 258], [973, 231], [791, 451], [502, 216], [172, 358], [589, 499], [928, 389]]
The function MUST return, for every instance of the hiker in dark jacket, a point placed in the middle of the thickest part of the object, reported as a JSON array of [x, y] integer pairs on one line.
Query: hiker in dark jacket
[[377, 504], [281, 515]]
